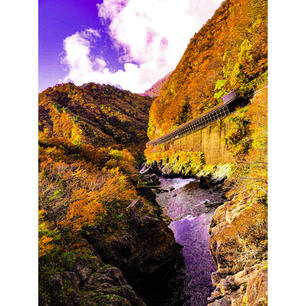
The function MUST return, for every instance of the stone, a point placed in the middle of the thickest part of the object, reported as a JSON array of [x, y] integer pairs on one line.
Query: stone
[[215, 278], [73, 278], [154, 178], [144, 169], [228, 284], [55, 282], [238, 246], [221, 302], [245, 230], [82, 270], [204, 182], [135, 205]]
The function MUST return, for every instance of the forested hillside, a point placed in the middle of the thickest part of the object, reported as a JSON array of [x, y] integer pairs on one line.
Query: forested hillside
[[93, 114], [90, 140], [229, 52]]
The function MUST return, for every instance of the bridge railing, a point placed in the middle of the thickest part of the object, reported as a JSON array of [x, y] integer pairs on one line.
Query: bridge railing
[[230, 102]]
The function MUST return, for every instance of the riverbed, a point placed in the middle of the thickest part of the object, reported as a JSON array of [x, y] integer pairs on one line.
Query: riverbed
[[191, 210]]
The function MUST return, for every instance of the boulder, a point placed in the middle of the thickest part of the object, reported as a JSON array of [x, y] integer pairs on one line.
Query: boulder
[[93, 284]]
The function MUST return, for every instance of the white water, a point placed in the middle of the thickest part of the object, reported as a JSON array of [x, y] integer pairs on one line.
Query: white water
[[187, 205]]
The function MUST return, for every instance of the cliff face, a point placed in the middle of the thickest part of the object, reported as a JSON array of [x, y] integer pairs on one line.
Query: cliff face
[[239, 229], [239, 247], [209, 141], [79, 277], [230, 51]]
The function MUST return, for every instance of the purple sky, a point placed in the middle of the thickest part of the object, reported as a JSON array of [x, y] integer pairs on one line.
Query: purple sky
[[59, 19], [128, 43]]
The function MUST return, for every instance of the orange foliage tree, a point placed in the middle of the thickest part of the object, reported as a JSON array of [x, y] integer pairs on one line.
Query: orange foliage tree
[[87, 204]]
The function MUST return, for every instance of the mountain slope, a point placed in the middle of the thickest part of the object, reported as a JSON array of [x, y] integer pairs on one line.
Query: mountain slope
[[155, 89], [99, 115], [230, 51], [94, 212]]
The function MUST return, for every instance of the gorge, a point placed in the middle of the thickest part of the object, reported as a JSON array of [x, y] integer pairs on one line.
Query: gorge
[[182, 223], [191, 210]]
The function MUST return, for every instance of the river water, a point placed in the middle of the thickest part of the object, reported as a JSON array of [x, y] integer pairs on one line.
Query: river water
[[191, 210]]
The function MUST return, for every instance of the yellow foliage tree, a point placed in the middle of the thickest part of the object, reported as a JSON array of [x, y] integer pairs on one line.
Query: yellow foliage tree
[[251, 177]]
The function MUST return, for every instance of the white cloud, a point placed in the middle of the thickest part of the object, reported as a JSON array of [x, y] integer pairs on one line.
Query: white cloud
[[154, 33], [109, 9], [77, 47]]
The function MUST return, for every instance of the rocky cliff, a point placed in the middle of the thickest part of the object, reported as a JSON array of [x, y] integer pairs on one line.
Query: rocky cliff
[[239, 229]]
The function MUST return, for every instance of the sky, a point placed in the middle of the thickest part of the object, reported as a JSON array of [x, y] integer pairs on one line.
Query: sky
[[130, 44]]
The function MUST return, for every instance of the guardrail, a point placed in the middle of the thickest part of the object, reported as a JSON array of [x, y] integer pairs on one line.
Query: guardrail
[[230, 103]]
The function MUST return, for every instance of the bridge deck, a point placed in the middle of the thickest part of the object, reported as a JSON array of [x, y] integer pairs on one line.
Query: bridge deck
[[230, 102]]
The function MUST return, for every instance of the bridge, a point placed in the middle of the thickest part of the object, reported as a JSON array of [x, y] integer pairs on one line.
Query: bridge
[[230, 103], [203, 134]]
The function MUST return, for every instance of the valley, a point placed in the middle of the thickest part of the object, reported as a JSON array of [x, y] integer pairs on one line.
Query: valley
[[180, 223]]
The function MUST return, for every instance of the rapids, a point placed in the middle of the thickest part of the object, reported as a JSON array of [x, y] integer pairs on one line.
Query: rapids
[[191, 210]]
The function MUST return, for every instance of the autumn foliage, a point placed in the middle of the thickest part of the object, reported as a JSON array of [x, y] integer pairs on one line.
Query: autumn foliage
[[229, 52], [89, 139], [109, 188], [99, 115], [247, 138]]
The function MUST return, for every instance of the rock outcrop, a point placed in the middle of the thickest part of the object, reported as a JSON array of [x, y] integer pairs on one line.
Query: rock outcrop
[[143, 250], [108, 268], [238, 245], [248, 287], [83, 279]]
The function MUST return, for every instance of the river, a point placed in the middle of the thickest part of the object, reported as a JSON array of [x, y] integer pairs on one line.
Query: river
[[191, 210]]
